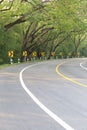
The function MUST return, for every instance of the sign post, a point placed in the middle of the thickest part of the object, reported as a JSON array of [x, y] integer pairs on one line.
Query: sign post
[[52, 54], [61, 54], [18, 60], [42, 55], [25, 55], [10, 55], [34, 54]]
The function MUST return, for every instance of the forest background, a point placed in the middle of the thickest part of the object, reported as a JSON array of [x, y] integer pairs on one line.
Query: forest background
[[51, 28]]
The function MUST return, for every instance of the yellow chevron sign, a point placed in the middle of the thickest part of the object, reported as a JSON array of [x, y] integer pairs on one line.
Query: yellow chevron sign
[[42, 53], [34, 54], [24, 53], [10, 54], [52, 53]]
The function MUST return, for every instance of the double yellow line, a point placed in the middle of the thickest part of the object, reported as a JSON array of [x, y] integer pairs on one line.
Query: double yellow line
[[67, 78]]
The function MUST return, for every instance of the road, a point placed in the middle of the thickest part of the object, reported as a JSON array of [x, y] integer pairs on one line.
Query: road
[[50, 95]]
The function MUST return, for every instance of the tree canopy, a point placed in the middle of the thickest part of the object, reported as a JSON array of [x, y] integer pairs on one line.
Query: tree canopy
[[42, 25]]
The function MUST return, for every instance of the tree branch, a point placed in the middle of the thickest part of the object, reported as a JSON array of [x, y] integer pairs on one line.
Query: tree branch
[[27, 2], [6, 9], [25, 39], [1, 1], [60, 42], [18, 21]]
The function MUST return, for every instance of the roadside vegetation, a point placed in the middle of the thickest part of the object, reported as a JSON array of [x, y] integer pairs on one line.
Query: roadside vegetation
[[49, 28]]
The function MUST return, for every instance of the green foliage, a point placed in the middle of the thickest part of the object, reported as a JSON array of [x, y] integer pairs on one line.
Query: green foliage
[[42, 26]]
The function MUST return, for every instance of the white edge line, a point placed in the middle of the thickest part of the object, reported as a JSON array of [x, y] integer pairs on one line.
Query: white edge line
[[43, 107], [81, 65]]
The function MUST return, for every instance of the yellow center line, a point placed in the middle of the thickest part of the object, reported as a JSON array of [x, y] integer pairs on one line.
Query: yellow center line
[[67, 78]]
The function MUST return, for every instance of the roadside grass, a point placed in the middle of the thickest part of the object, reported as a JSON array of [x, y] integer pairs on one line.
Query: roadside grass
[[4, 66]]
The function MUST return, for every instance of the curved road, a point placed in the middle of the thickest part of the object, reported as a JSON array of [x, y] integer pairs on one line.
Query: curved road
[[50, 95]]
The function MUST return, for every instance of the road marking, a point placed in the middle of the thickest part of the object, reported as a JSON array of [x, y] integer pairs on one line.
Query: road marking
[[43, 107], [81, 65], [67, 78]]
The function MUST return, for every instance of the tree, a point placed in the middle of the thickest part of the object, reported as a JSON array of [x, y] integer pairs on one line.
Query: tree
[[42, 25]]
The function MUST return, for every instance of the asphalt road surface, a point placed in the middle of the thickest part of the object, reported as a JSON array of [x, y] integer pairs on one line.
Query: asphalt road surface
[[50, 95]]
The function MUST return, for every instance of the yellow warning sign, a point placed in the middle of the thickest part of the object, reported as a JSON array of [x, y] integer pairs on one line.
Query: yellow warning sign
[[25, 53], [53, 53], [34, 54], [10, 54], [42, 53]]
